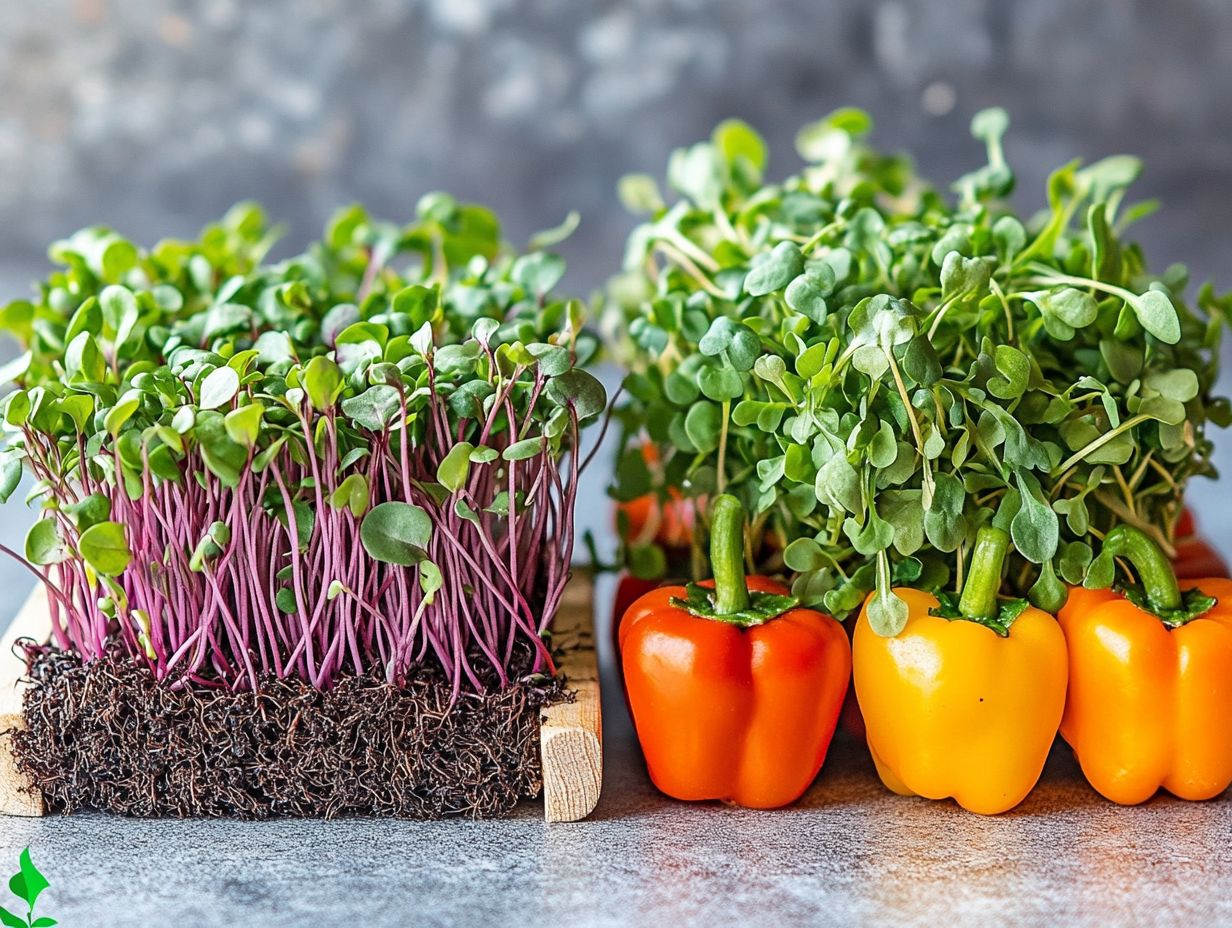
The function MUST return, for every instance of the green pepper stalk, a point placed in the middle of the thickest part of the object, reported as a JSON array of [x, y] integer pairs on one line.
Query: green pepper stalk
[[731, 600], [1155, 573], [979, 595], [731, 591]]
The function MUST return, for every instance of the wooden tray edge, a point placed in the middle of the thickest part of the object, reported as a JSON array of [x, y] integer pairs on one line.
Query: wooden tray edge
[[571, 736], [18, 795]]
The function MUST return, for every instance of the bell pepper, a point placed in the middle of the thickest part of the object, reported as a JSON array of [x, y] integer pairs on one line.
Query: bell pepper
[[850, 720], [1150, 692], [668, 523], [1195, 558], [735, 692], [965, 700], [628, 590], [650, 518]]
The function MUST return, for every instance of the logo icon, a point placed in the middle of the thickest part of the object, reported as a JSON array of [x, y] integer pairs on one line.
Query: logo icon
[[26, 885]]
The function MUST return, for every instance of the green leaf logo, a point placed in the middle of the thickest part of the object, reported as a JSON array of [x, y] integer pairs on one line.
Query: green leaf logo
[[26, 884]]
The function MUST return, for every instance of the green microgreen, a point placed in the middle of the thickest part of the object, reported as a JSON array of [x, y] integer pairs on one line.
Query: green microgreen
[[876, 369]]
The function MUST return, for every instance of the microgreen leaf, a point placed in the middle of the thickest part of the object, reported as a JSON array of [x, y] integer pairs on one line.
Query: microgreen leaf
[[375, 408], [105, 548], [396, 533], [963, 276], [1034, 528], [1048, 592], [43, 543], [838, 484], [775, 271], [455, 467], [807, 293], [736, 140], [353, 493], [954, 354], [243, 425], [194, 380], [640, 193], [323, 382], [580, 389], [538, 272], [1158, 316], [887, 613], [219, 388], [90, 511], [10, 475]]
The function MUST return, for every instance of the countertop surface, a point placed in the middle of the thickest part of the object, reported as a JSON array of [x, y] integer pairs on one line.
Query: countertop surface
[[848, 853]]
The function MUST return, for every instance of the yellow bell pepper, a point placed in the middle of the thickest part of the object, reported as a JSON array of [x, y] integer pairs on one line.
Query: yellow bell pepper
[[963, 703]]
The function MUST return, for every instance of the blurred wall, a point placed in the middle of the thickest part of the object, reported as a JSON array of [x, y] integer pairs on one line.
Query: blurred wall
[[154, 117]]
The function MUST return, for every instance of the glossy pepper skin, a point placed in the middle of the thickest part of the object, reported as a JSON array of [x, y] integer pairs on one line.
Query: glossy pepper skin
[[962, 701], [953, 710], [725, 710], [629, 589], [1149, 706]]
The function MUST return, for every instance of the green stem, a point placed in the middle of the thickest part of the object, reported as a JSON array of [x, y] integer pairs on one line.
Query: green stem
[[979, 595], [731, 593], [821, 233], [1152, 567], [1049, 276], [926, 471], [1099, 442]]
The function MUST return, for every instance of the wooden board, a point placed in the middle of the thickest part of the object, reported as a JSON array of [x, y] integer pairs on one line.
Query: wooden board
[[18, 796], [571, 741], [571, 737]]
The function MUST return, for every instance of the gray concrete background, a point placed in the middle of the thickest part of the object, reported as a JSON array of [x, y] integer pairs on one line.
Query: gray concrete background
[[154, 117]]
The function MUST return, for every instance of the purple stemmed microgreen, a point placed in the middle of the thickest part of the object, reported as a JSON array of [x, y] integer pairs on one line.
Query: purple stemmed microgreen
[[363, 457]]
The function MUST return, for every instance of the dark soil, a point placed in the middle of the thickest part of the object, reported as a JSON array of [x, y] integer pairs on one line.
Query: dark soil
[[107, 736]]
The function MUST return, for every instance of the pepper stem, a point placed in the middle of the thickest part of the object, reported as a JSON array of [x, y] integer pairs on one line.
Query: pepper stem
[[731, 593], [1150, 563], [979, 594]]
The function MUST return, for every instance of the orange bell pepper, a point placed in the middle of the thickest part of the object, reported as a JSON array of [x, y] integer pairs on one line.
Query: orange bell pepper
[[668, 523], [734, 694], [963, 702], [649, 518], [1150, 694]]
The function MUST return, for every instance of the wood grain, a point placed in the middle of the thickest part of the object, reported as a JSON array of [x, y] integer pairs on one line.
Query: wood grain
[[571, 737], [18, 796]]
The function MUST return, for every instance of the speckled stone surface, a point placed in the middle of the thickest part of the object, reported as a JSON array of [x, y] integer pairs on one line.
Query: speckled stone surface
[[849, 853]]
